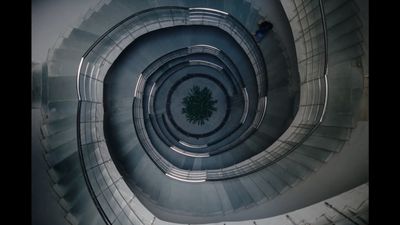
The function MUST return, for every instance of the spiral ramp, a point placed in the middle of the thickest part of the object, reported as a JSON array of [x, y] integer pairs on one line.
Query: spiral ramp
[[113, 152]]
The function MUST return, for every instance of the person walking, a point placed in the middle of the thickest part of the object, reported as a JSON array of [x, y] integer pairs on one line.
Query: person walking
[[264, 27]]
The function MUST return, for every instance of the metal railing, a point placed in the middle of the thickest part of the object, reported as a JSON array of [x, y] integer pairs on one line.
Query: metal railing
[[182, 55], [312, 107], [96, 61], [99, 57], [180, 58], [311, 111], [210, 18]]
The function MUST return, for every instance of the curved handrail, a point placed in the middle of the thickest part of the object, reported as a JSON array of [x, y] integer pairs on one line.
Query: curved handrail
[[191, 15], [229, 171], [324, 27], [152, 68], [163, 164], [305, 137], [199, 176]]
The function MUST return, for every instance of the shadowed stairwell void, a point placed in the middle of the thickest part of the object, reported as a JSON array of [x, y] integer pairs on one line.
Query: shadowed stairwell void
[[198, 105]]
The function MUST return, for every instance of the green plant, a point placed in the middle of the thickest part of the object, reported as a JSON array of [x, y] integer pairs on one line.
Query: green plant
[[198, 105]]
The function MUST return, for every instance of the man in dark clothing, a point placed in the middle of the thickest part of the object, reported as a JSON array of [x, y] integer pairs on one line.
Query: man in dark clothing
[[263, 28]]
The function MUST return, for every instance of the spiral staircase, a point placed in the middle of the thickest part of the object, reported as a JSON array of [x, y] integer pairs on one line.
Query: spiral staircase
[[119, 152]]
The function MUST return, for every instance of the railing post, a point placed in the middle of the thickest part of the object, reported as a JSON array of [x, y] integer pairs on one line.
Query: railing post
[[338, 211], [358, 217], [329, 220], [291, 220]]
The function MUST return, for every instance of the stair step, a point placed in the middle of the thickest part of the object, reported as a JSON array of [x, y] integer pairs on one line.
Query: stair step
[[338, 120], [62, 88], [137, 5], [71, 219], [99, 22], [307, 8], [71, 184], [65, 54], [341, 13], [211, 198], [308, 162], [333, 132], [351, 24], [58, 154], [264, 185], [225, 203], [244, 195], [324, 143], [335, 14], [278, 184], [117, 8], [72, 197], [345, 41], [63, 68], [331, 5], [52, 127], [66, 170], [234, 199], [91, 216], [79, 40], [346, 54], [295, 168], [60, 109], [60, 138], [256, 194], [286, 176], [237, 195], [315, 153]]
